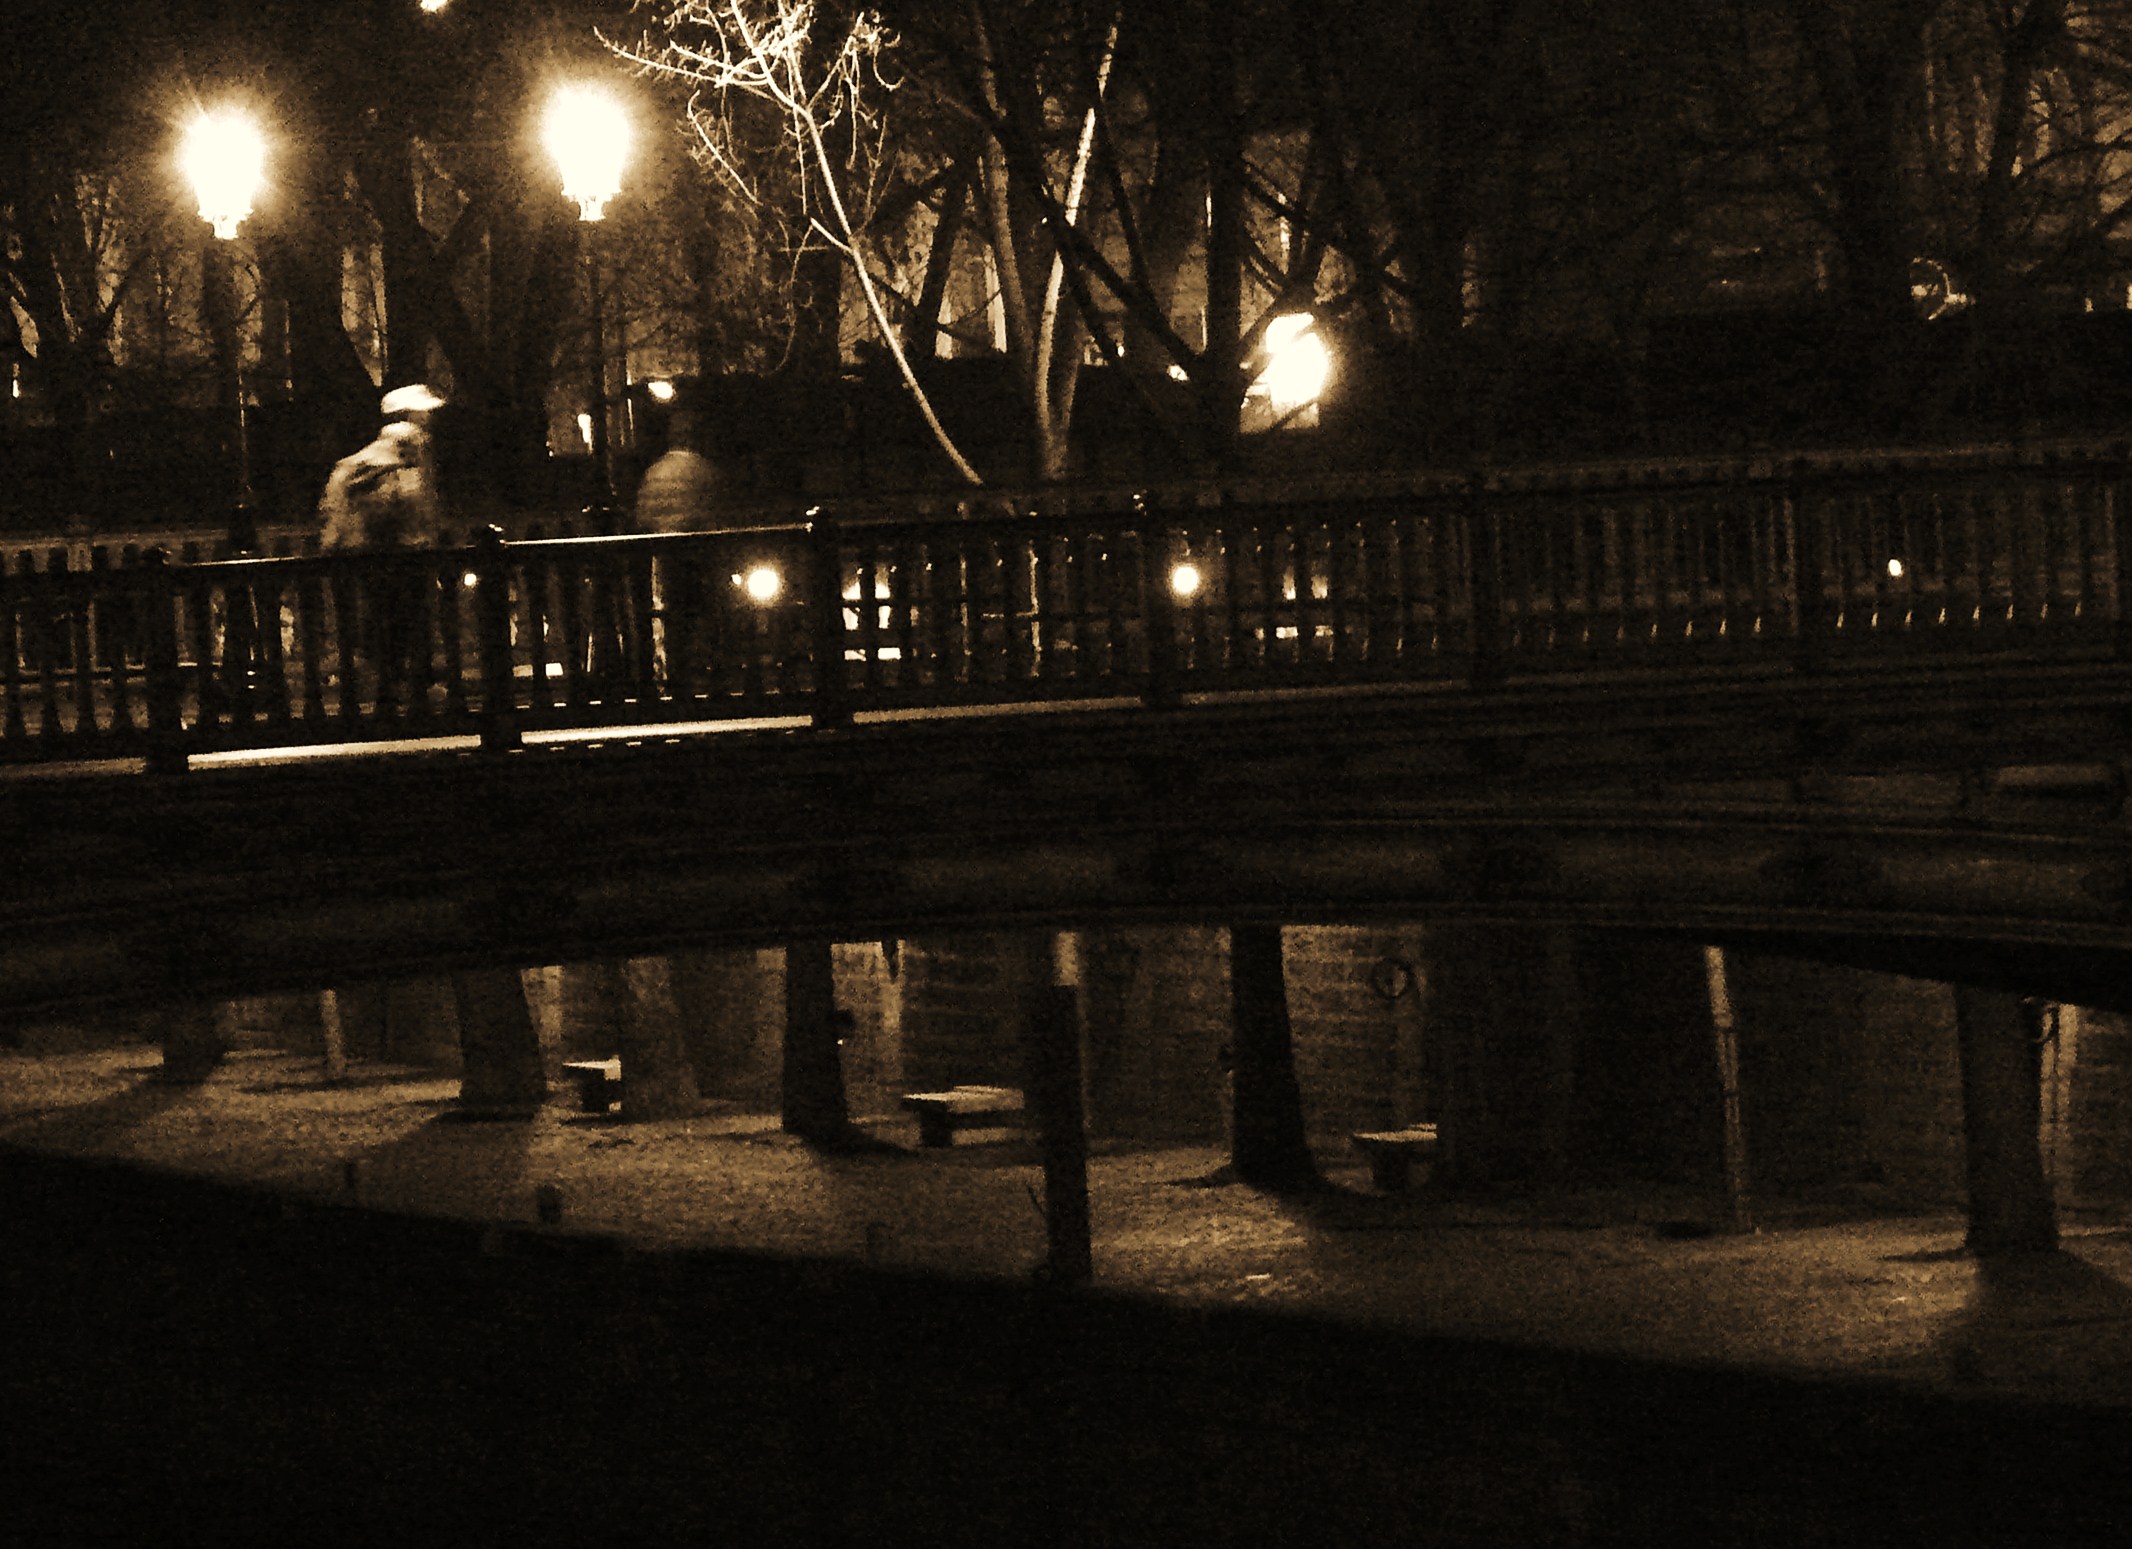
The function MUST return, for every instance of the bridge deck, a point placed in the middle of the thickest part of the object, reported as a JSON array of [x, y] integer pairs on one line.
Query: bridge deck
[[1683, 704]]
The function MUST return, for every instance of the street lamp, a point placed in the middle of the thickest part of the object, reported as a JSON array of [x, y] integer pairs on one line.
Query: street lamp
[[223, 155], [588, 135]]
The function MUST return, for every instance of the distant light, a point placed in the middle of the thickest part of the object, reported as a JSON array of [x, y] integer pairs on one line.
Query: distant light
[[1297, 362], [434, 6], [1895, 568], [662, 390], [762, 584], [224, 157], [470, 580], [584, 428], [1185, 580], [1179, 374]]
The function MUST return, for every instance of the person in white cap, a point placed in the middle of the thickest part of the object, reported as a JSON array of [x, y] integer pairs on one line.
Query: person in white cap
[[385, 497]]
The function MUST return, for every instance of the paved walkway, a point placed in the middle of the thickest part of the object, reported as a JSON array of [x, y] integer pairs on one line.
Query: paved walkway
[[1886, 1299]]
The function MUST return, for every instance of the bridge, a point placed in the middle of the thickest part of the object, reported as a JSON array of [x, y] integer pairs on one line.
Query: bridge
[[1876, 713]]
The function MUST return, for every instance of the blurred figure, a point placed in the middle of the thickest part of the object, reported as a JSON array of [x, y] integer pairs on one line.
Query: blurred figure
[[679, 493], [384, 498]]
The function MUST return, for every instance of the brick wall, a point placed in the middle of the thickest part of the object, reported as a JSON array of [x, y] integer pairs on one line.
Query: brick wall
[[1647, 1102], [732, 1007], [1492, 1039], [1851, 1082], [1155, 1015], [1355, 998], [873, 1052], [2092, 1067], [960, 1004]]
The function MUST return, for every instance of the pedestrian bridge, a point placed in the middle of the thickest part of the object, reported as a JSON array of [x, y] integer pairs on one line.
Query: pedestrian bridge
[[1874, 713]]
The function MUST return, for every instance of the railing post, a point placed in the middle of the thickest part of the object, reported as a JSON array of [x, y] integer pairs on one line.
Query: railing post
[[1158, 607], [825, 563], [159, 652], [1809, 537], [1484, 527], [492, 627]]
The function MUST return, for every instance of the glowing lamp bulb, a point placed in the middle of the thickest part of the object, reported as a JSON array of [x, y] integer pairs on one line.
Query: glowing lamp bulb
[[587, 133], [762, 584], [224, 157], [1185, 580], [1895, 568]]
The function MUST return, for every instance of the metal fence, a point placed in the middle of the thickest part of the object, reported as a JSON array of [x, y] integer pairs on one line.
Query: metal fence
[[1474, 581]]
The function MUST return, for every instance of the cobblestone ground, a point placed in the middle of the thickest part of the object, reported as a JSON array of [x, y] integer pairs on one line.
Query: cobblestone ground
[[338, 1309], [1892, 1299]]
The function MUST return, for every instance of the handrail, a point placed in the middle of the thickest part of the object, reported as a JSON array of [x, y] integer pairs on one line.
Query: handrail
[[1473, 582]]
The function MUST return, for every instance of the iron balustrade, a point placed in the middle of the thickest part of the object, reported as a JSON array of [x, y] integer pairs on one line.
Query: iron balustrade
[[1448, 581]]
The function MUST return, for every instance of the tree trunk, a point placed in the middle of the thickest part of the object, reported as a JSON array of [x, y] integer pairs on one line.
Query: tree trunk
[[1053, 1051], [658, 1078], [1267, 1147], [817, 313], [1220, 381], [2010, 1205], [921, 335], [501, 1074], [813, 1086]]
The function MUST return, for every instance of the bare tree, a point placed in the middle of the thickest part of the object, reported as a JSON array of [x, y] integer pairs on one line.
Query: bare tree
[[821, 79]]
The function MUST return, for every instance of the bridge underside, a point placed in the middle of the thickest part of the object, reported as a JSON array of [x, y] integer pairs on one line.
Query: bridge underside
[[1974, 835]]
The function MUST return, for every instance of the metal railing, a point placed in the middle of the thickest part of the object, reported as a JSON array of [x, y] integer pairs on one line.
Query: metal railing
[[1477, 581]]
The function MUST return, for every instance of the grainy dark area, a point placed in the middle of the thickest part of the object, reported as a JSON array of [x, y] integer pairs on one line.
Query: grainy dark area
[[182, 1352]]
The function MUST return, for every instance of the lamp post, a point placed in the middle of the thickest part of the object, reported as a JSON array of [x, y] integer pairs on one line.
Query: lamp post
[[223, 155], [588, 135]]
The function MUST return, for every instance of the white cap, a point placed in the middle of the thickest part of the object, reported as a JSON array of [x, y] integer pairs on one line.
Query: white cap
[[416, 398]]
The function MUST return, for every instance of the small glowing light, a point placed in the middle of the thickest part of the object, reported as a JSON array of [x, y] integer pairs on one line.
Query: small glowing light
[[434, 6], [1895, 568], [224, 157], [588, 135], [662, 391], [1185, 580], [584, 428], [469, 580], [1179, 374], [762, 584]]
